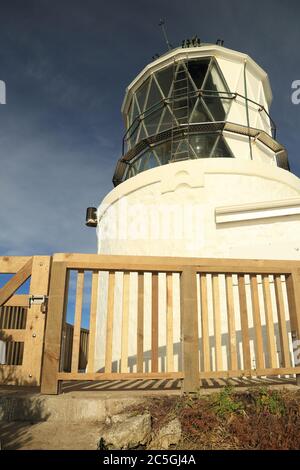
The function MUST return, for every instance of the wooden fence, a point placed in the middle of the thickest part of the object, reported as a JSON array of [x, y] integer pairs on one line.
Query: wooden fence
[[15, 318], [148, 318]]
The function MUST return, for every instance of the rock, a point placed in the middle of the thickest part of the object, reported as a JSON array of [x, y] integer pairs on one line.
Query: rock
[[126, 432], [108, 420], [169, 435], [120, 418]]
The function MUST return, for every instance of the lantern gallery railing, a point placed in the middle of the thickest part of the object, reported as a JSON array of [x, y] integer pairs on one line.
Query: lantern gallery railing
[[131, 136], [158, 145]]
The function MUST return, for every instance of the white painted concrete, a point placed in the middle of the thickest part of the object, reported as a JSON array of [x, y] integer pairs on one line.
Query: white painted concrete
[[133, 216]]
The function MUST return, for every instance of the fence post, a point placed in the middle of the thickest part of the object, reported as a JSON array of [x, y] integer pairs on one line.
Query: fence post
[[54, 324], [293, 293], [189, 329], [35, 325]]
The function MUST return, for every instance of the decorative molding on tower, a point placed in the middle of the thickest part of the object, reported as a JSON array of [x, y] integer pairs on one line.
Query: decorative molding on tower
[[176, 178], [259, 210]]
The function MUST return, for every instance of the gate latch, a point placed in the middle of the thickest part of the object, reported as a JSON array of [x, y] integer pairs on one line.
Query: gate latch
[[41, 300]]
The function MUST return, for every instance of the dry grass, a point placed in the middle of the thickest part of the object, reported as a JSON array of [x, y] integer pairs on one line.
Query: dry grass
[[261, 419]]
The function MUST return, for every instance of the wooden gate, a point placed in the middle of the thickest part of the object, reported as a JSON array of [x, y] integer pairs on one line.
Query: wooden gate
[[22, 318]]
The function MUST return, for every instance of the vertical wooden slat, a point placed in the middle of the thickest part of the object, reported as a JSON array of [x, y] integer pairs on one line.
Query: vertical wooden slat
[[68, 341], [10, 317], [9, 353], [13, 317], [66, 348], [15, 352], [189, 329], [55, 318], [204, 323], [125, 315], [21, 353], [217, 320], [154, 335], [293, 294], [18, 314], [77, 321], [18, 355], [260, 364], [93, 320], [169, 323], [25, 318], [244, 322], [231, 322], [83, 351], [284, 342], [6, 316], [140, 323], [20, 317], [269, 321], [109, 322]]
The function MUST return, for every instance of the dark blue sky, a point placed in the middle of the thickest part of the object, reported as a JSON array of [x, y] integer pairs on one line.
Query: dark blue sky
[[66, 64]]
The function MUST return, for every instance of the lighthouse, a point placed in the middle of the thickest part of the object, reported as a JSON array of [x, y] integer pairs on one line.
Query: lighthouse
[[201, 173]]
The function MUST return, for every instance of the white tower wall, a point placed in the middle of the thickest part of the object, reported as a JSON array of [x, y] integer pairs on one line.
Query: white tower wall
[[241, 207]]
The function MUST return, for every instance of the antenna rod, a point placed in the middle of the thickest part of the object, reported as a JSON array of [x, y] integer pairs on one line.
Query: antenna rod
[[162, 24]]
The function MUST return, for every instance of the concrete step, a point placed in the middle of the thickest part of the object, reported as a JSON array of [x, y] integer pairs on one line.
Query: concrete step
[[66, 408]]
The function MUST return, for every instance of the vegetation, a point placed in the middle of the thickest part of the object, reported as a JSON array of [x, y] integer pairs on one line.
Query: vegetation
[[225, 402], [260, 418]]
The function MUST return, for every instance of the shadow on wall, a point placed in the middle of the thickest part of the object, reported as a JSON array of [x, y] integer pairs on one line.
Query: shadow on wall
[[14, 434], [15, 406], [177, 352]]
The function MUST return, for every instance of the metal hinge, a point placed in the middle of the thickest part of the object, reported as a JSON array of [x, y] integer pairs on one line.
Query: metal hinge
[[41, 300]]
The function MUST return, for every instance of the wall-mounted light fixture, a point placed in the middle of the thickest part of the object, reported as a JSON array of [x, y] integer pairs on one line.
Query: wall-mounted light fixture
[[91, 217]]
